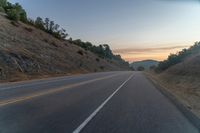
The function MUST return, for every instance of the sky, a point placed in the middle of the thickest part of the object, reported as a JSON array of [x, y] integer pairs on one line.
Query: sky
[[135, 29]]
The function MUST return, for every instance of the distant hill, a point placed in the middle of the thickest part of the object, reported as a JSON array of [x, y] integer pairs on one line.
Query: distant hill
[[27, 52], [145, 63]]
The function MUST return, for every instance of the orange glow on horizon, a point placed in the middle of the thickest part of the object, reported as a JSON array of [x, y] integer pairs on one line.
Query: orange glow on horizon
[[158, 54]]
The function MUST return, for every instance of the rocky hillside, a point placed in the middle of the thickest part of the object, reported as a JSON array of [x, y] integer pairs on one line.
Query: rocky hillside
[[27, 52]]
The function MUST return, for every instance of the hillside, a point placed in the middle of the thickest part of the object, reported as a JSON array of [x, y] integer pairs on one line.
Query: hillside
[[145, 63], [27, 52], [188, 67], [182, 76]]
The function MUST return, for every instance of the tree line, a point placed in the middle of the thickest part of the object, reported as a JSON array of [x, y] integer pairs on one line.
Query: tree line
[[16, 13], [102, 50], [174, 59]]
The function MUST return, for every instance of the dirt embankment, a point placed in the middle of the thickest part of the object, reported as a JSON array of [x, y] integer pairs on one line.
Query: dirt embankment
[[183, 81]]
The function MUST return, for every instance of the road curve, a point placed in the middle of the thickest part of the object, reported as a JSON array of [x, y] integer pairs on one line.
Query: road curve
[[110, 102]]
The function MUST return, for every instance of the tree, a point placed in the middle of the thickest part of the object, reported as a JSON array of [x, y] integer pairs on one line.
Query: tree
[[63, 34], [46, 24], [13, 14], [107, 51], [56, 27], [2, 9], [179, 57], [140, 68], [152, 68], [39, 23], [16, 12], [3, 3], [70, 40], [31, 21], [23, 16], [51, 27]]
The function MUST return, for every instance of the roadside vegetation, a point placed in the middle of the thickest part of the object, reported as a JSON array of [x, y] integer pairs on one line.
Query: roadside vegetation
[[140, 68], [180, 75], [179, 57], [103, 50]]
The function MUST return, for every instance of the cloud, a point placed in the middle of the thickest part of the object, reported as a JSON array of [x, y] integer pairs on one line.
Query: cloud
[[147, 50], [156, 53]]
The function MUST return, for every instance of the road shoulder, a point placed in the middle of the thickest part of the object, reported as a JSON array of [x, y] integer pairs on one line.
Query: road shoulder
[[183, 108]]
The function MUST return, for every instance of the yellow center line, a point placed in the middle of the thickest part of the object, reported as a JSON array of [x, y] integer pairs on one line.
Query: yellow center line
[[23, 98]]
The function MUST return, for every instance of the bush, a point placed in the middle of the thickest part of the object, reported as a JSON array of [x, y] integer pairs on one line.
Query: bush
[[13, 14], [2, 9], [101, 67], [97, 59], [80, 52], [140, 68], [174, 59], [132, 68], [28, 29], [54, 44], [152, 68], [46, 40], [102, 51], [3, 3], [15, 23]]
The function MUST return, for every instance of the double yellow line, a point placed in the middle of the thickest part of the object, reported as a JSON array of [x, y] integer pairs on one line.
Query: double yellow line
[[55, 90]]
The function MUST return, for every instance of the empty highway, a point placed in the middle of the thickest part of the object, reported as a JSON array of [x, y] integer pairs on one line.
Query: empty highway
[[109, 102]]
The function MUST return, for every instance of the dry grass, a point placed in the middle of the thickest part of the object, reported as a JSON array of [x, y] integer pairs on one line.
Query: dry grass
[[183, 87], [183, 80]]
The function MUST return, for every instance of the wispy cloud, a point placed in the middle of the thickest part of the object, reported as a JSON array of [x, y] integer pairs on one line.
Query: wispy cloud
[[142, 50], [156, 53]]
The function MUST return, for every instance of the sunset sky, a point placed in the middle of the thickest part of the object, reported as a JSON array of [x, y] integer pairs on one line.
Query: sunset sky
[[135, 29]]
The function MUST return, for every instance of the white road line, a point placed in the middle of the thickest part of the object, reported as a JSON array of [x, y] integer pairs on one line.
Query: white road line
[[80, 128]]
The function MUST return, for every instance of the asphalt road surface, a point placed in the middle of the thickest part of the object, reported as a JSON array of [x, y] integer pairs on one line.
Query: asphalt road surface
[[111, 102]]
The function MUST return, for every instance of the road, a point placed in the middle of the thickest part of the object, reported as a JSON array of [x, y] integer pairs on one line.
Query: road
[[110, 102]]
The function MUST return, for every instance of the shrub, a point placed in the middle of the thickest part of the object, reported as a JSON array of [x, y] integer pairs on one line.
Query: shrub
[[101, 67], [174, 59], [80, 52], [140, 68], [28, 29], [46, 40], [97, 59], [152, 68], [15, 23], [132, 68], [54, 44], [2, 9], [13, 14], [3, 3]]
